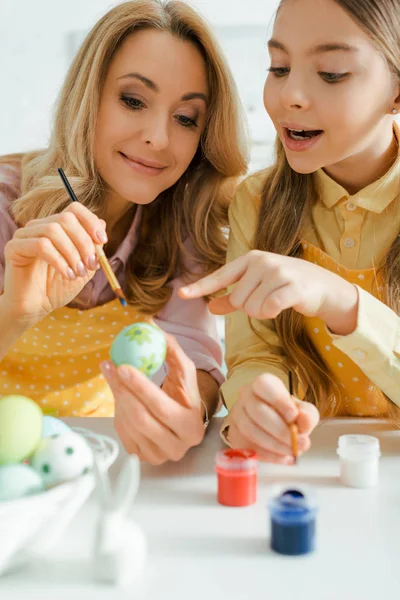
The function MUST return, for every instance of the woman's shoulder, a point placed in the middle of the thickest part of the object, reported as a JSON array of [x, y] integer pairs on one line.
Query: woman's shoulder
[[10, 180], [10, 190]]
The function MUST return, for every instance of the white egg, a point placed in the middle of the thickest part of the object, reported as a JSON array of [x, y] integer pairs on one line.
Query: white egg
[[51, 426], [17, 481], [62, 457]]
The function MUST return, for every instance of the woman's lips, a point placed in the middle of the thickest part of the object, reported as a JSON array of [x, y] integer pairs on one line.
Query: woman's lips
[[144, 168]]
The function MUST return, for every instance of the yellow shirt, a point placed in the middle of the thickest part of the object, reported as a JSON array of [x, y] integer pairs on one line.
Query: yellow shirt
[[354, 231]]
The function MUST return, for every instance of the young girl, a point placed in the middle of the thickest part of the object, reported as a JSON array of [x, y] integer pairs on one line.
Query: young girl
[[314, 246], [140, 131]]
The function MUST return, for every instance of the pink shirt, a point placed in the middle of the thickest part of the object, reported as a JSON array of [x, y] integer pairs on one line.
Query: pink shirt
[[188, 320]]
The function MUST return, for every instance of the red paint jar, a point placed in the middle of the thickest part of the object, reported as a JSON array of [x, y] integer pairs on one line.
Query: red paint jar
[[237, 477]]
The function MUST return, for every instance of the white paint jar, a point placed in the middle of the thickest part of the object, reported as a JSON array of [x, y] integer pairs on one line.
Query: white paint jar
[[359, 460]]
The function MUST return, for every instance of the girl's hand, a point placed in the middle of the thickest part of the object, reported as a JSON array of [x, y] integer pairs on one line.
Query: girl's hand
[[157, 424], [267, 284], [49, 261], [261, 418]]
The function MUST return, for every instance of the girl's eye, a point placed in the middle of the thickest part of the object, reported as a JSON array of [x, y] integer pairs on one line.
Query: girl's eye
[[186, 121], [333, 77], [279, 71], [130, 102]]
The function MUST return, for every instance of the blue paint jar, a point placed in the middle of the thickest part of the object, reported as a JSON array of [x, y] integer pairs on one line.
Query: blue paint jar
[[293, 515]]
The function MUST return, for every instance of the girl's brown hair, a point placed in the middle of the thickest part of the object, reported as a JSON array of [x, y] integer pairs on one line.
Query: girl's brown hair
[[196, 206], [287, 198]]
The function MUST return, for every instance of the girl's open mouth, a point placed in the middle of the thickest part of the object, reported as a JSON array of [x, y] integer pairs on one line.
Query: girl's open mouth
[[301, 139]]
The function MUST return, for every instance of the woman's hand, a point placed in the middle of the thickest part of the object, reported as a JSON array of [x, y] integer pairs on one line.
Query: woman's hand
[[261, 418], [157, 424], [267, 284], [49, 261]]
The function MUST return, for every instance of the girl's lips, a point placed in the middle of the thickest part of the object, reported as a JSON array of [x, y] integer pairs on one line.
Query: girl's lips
[[299, 145], [141, 168]]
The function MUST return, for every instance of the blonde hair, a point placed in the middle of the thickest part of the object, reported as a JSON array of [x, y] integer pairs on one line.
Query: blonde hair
[[196, 206], [288, 197]]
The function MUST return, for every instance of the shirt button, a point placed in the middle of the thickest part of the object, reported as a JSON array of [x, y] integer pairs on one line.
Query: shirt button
[[349, 242], [351, 206], [359, 354]]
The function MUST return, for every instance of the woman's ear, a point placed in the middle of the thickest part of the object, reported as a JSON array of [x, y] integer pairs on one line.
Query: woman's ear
[[396, 104]]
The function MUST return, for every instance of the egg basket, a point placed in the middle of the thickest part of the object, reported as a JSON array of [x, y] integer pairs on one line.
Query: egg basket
[[32, 525]]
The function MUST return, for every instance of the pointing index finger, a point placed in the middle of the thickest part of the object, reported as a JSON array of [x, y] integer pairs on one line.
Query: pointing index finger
[[219, 280]]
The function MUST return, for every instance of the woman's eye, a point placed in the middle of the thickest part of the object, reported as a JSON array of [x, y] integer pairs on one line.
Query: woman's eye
[[333, 77], [186, 121], [132, 102], [279, 71]]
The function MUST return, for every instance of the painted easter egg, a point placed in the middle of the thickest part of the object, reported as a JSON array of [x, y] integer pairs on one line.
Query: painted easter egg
[[21, 423], [62, 457], [52, 426], [141, 345], [17, 481]]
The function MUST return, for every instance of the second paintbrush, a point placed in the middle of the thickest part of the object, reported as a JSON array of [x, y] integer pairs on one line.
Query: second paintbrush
[[109, 273], [293, 427]]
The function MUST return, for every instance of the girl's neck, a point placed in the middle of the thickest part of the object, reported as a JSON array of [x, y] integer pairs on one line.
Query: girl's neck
[[359, 171]]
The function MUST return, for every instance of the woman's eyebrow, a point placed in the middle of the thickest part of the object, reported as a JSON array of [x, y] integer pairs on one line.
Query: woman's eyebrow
[[154, 87]]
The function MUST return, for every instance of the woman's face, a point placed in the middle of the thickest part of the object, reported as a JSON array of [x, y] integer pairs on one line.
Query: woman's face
[[151, 116], [328, 82]]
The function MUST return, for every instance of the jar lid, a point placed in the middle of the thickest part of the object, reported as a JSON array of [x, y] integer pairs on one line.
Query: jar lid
[[358, 447], [237, 459], [293, 505]]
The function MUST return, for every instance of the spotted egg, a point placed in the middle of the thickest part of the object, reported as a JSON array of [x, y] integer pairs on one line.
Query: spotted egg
[[62, 457], [141, 345]]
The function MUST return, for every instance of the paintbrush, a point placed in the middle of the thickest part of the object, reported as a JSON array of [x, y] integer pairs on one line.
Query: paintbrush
[[109, 273], [293, 427]]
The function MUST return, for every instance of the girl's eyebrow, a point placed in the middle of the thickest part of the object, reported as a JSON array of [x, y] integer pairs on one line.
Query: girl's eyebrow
[[153, 86], [318, 49]]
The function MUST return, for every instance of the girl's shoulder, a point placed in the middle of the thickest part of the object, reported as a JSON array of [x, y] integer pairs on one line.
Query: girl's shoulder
[[246, 202]]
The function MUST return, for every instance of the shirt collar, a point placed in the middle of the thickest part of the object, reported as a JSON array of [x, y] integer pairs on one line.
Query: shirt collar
[[128, 244], [375, 197]]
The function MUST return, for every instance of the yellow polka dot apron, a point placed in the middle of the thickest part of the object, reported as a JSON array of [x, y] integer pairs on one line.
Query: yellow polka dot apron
[[56, 363], [359, 396]]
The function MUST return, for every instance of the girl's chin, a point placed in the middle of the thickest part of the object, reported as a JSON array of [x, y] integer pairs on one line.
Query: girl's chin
[[304, 167]]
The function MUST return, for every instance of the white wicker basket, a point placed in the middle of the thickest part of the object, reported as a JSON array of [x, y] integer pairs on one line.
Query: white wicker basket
[[33, 524]]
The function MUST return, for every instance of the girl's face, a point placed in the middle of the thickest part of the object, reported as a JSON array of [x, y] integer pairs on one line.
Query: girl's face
[[152, 113], [330, 83]]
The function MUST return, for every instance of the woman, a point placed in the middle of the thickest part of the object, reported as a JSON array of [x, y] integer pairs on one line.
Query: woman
[[141, 130]]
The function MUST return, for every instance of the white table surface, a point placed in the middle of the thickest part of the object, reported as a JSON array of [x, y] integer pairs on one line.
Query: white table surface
[[201, 550]]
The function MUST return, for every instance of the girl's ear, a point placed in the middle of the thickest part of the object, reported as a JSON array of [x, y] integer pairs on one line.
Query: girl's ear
[[127, 485]]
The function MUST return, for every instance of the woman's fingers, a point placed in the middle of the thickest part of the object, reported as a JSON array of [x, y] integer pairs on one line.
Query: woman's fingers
[[64, 243], [21, 252], [94, 226]]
